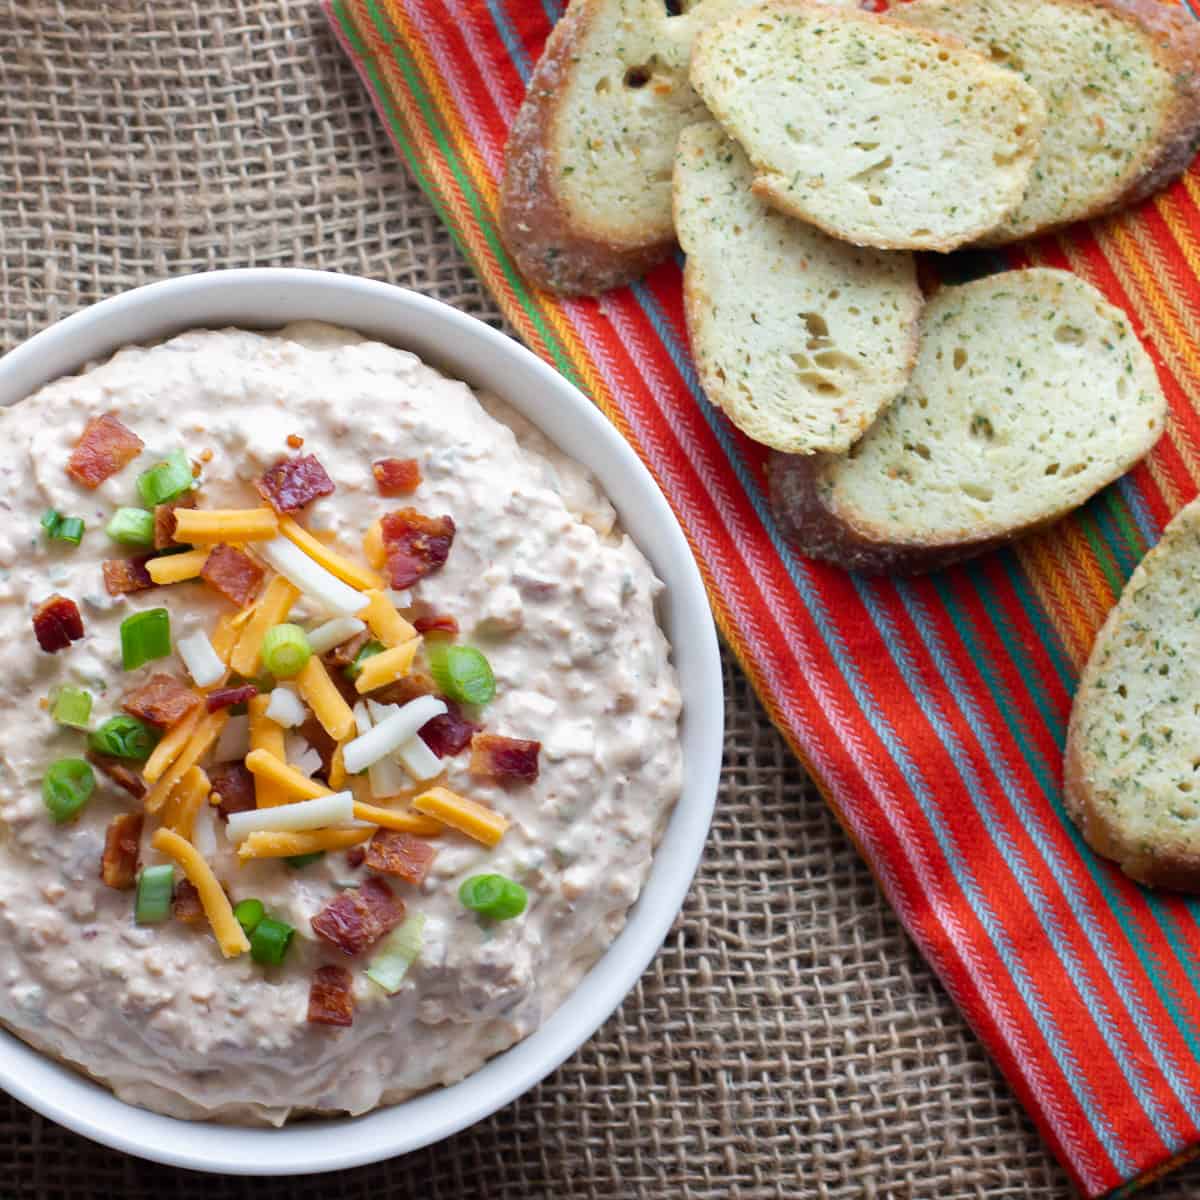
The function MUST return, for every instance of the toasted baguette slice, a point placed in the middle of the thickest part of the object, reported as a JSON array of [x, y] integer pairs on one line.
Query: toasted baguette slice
[[879, 134], [799, 338], [1122, 92], [1130, 772], [1030, 393], [586, 197]]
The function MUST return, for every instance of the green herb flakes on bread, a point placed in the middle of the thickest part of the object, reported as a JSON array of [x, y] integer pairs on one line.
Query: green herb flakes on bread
[[1030, 393], [1122, 92], [1132, 769], [877, 133], [801, 339]]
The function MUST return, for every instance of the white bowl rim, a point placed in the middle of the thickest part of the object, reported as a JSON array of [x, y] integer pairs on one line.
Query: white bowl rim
[[321, 1145]]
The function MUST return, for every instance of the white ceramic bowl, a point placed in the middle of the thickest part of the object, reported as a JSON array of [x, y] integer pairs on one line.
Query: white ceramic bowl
[[466, 349]]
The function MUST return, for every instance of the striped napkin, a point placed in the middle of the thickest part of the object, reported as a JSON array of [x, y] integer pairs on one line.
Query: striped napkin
[[930, 712]]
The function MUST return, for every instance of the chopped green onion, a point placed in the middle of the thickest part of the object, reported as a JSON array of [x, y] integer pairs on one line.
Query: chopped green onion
[[354, 670], [165, 480], [493, 896], [397, 953], [70, 529], [462, 673], [145, 636], [299, 861], [270, 941], [73, 707], [155, 888], [62, 529], [66, 787], [131, 527], [249, 915], [125, 737], [285, 650]]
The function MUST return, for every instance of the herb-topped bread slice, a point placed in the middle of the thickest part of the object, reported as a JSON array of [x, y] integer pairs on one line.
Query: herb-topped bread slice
[[1030, 393], [877, 133], [586, 198], [799, 338], [1132, 768], [1120, 82]]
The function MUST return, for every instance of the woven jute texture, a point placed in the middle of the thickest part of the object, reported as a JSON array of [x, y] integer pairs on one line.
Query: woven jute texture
[[787, 1041]]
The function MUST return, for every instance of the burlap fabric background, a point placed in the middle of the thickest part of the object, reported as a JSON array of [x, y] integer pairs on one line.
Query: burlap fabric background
[[787, 1041]]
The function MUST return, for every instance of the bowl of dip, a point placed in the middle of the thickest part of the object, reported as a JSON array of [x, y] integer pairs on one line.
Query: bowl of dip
[[584, 772]]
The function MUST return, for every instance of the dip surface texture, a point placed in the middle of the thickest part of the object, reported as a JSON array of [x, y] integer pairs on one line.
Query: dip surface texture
[[539, 578]]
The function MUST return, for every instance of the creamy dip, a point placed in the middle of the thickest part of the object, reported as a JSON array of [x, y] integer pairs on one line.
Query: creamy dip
[[540, 577]]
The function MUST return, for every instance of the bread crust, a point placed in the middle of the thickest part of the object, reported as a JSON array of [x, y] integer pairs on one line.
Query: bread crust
[[553, 249], [1177, 48], [794, 485], [766, 184], [1175, 870]]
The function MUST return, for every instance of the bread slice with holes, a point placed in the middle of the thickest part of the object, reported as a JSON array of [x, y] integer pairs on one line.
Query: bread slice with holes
[[1122, 91], [875, 132], [1030, 393], [1131, 771], [801, 339], [586, 200]]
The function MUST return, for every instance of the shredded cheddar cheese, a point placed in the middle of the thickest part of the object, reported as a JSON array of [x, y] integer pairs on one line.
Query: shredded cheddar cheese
[[224, 638], [200, 525], [206, 733], [337, 769], [290, 845], [386, 667], [229, 934], [167, 751], [373, 547], [332, 560], [267, 736], [175, 568], [186, 801], [295, 784], [271, 609], [405, 822], [385, 622], [322, 696], [467, 816]]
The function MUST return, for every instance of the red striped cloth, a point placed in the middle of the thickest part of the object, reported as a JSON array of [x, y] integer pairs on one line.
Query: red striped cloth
[[930, 712]]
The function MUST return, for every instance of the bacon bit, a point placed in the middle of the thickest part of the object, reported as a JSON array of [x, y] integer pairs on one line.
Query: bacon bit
[[436, 623], [232, 787], [228, 697], [162, 700], [294, 482], [359, 917], [185, 904], [119, 772], [346, 653], [233, 573], [295, 441], [103, 449], [123, 575], [331, 997], [450, 733], [57, 623], [416, 545], [354, 857], [314, 733], [118, 866], [397, 476], [393, 853], [504, 759], [404, 690], [164, 519]]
